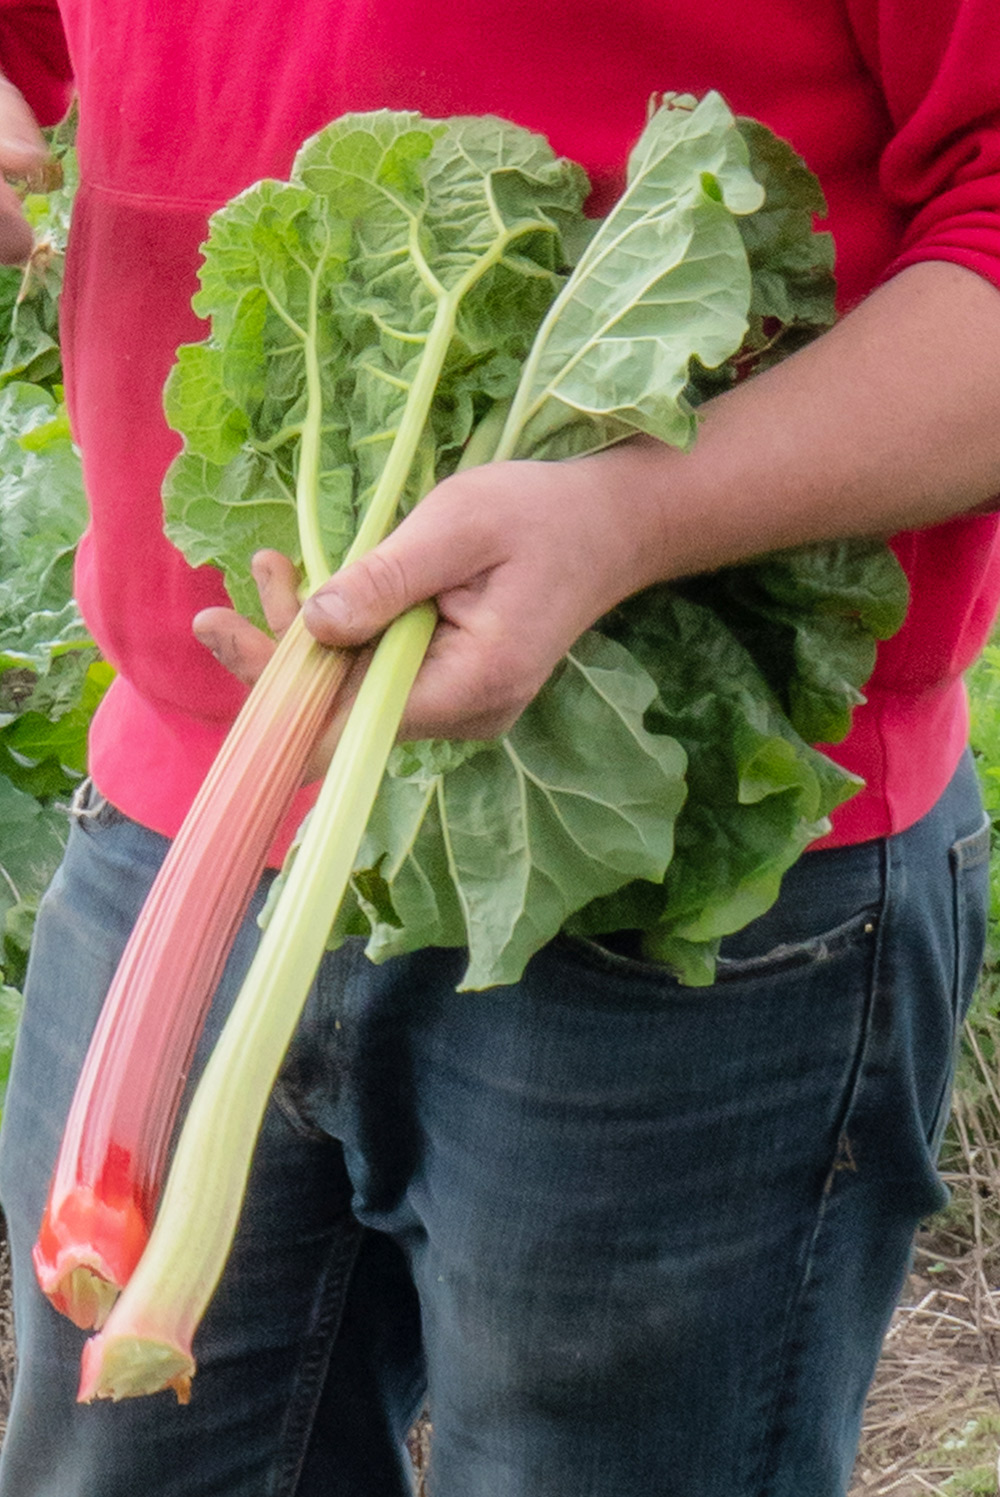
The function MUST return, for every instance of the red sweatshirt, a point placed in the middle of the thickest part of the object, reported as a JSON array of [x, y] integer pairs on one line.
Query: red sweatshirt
[[894, 103]]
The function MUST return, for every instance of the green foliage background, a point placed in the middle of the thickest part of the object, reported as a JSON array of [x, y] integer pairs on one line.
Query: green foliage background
[[51, 677]]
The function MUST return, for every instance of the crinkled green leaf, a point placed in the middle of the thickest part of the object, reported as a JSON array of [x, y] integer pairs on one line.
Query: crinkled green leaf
[[790, 263], [197, 401], [29, 296], [43, 749], [810, 618], [757, 794], [499, 851], [32, 836], [435, 207], [11, 1004], [350, 262], [273, 262], [221, 515], [793, 287], [42, 514], [663, 281]]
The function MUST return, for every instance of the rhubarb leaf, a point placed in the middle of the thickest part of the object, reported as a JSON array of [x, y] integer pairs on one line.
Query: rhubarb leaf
[[663, 281], [273, 262], [576, 800], [42, 513], [393, 227], [457, 230], [757, 793], [810, 618], [791, 264]]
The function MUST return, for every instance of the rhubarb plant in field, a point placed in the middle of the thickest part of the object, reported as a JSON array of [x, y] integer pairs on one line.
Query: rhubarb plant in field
[[423, 294], [50, 676]]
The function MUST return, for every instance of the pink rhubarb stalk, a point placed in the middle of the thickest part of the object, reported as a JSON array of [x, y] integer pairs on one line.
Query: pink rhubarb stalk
[[108, 1173]]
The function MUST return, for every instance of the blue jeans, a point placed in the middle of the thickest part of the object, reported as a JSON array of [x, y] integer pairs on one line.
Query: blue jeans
[[628, 1239]]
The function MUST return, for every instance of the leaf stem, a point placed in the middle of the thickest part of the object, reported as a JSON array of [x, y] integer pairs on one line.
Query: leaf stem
[[381, 510], [314, 558]]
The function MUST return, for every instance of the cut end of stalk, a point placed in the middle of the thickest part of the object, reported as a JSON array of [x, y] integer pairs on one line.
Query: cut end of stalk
[[85, 1254], [129, 1366], [84, 1296]]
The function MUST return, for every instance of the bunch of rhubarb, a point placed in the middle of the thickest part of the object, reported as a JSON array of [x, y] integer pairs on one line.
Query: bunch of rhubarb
[[424, 294]]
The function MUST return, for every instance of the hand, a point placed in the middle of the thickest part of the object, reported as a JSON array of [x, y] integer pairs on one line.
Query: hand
[[22, 152], [520, 557]]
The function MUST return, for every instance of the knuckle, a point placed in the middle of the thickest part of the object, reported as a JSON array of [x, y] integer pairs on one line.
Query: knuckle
[[383, 583], [503, 690]]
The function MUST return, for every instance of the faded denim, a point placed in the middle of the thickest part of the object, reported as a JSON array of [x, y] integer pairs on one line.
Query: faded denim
[[628, 1239]]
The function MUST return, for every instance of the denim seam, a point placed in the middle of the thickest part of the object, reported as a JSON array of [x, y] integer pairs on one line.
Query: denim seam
[[309, 1379], [973, 850], [776, 1424], [965, 855], [771, 964]]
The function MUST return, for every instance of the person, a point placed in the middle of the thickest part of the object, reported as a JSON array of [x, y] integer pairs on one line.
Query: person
[[625, 1237]]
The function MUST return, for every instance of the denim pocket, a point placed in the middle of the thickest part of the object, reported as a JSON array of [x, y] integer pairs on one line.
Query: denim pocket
[[785, 956], [830, 901], [89, 808], [859, 930]]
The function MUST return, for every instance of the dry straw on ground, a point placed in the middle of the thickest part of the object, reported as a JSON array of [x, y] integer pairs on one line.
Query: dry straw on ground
[[933, 1417]]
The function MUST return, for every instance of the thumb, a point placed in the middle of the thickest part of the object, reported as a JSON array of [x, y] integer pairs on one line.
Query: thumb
[[361, 600], [443, 543]]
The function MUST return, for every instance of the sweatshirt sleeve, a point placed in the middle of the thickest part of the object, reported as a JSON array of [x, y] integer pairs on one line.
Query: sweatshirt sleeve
[[937, 64], [33, 55]]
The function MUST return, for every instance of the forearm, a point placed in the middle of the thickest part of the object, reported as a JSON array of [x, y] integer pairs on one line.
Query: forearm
[[888, 422]]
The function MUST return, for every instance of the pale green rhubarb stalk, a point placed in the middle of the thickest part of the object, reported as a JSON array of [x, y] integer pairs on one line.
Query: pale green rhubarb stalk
[[146, 1343], [111, 1161]]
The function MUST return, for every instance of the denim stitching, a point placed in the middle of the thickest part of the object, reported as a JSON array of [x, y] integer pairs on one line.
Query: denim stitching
[[775, 1427], [305, 1397], [728, 969], [971, 851]]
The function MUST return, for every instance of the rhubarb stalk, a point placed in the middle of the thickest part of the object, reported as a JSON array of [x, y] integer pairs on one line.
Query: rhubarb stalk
[[146, 1343], [110, 1165]]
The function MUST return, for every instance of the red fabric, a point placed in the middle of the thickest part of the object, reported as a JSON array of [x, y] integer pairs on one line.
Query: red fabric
[[892, 102], [33, 56]]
